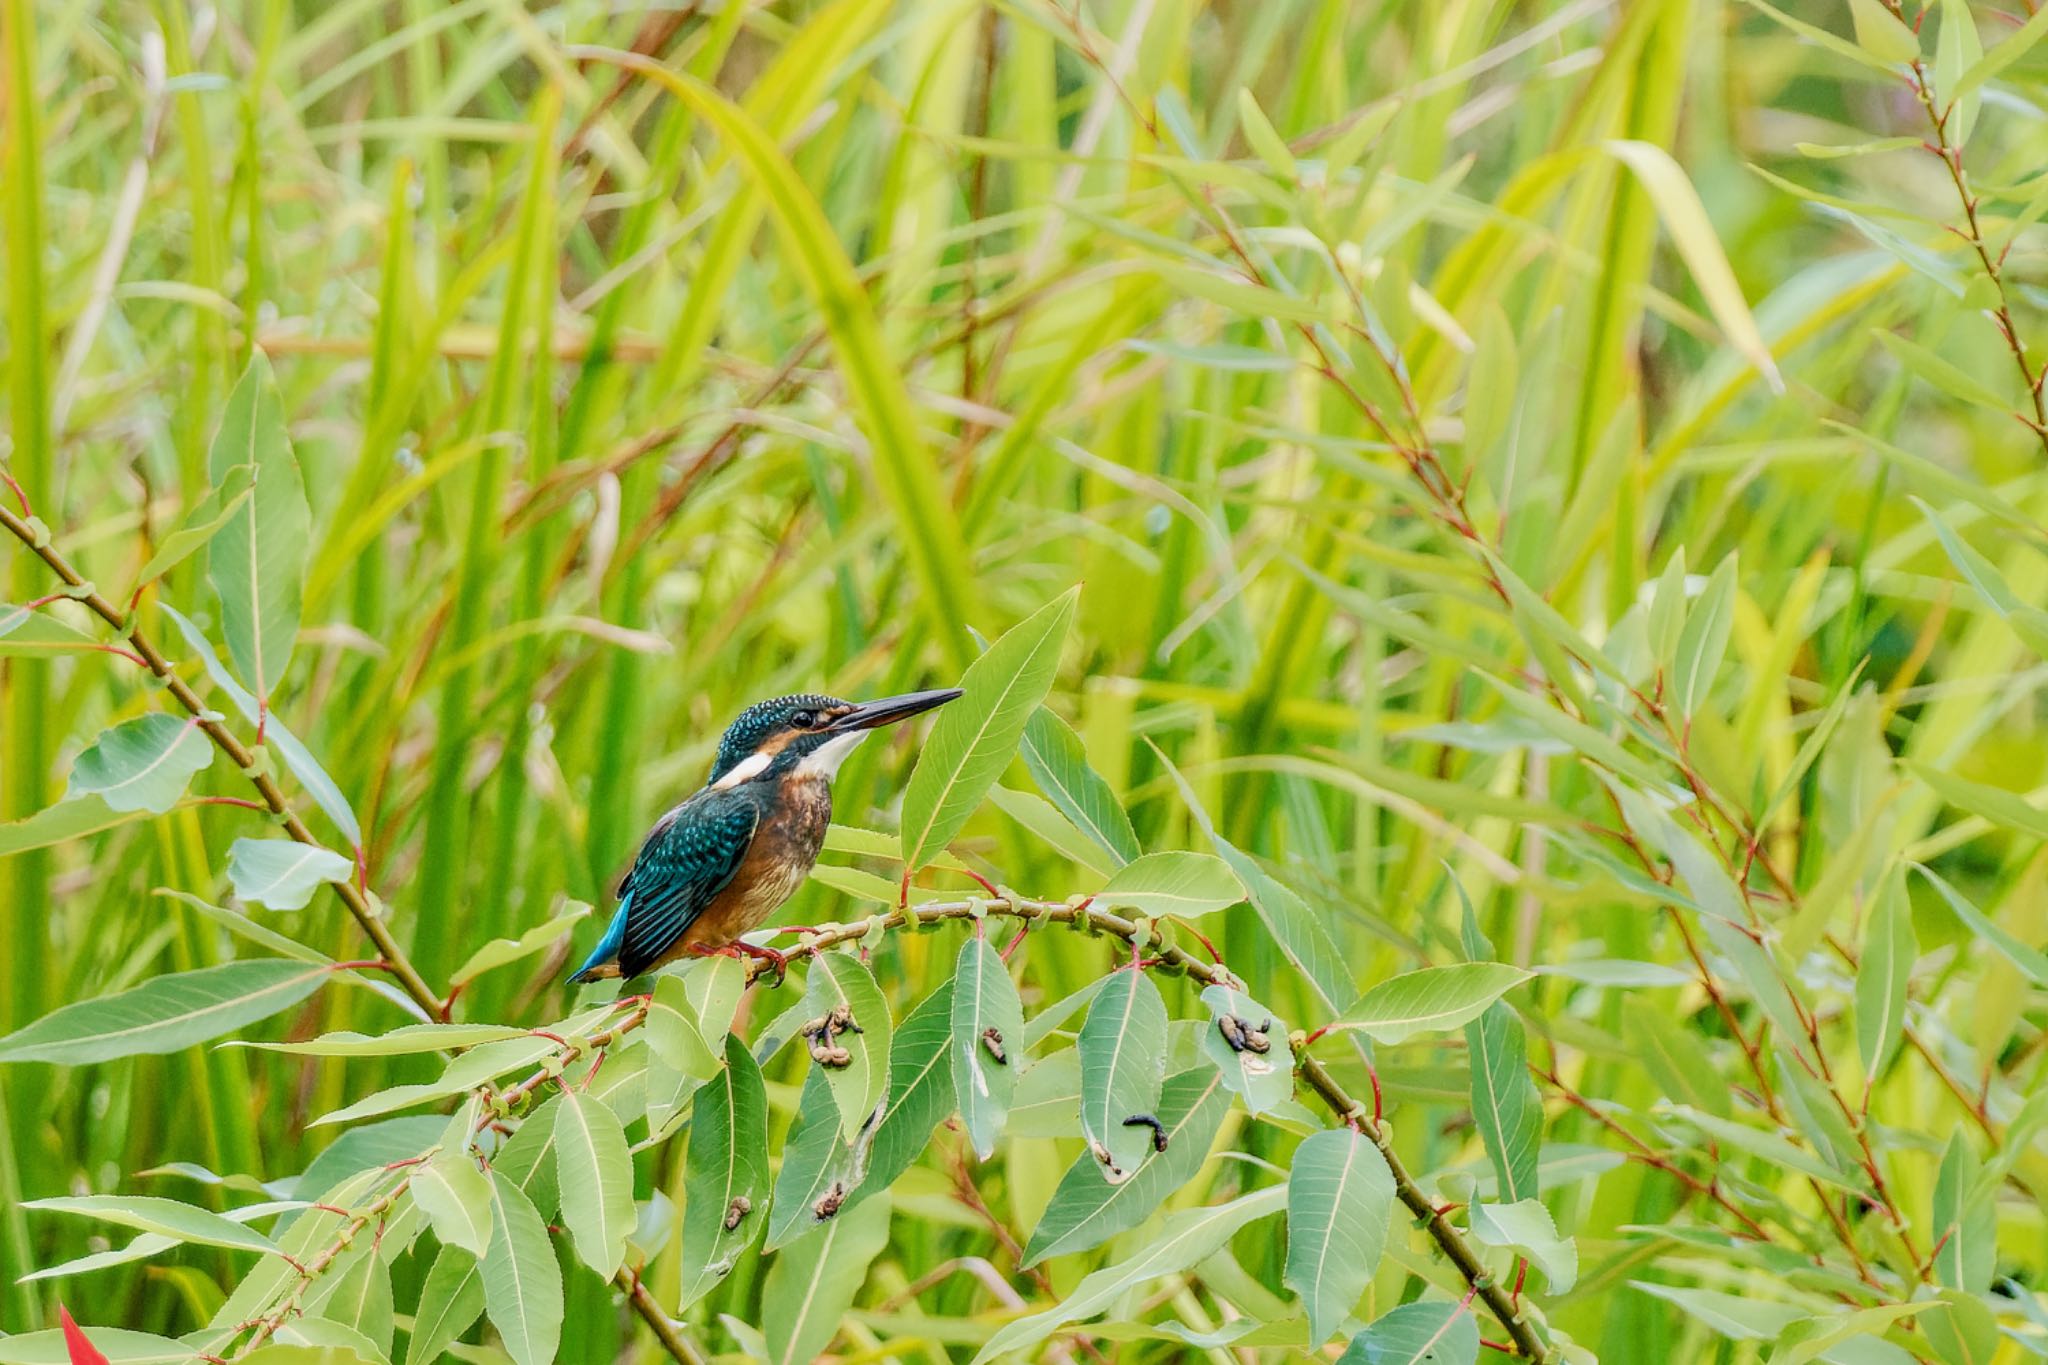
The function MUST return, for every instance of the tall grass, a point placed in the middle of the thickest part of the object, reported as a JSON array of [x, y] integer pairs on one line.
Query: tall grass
[[1565, 462]]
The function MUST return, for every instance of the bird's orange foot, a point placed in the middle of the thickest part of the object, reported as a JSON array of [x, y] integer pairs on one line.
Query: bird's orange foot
[[776, 960]]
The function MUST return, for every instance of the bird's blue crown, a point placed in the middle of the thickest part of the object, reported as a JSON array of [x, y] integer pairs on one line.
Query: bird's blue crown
[[764, 718]]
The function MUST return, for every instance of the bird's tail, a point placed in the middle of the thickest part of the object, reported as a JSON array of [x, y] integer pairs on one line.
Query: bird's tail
[[602, 965]]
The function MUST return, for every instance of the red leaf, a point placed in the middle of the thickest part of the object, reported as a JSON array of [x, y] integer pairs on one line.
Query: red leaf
[[83, 1352]]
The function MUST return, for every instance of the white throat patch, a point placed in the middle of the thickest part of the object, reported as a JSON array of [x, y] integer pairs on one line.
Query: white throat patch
[[744, 771], [824, 760]]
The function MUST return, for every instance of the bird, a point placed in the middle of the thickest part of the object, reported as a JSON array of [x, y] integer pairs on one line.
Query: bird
[[719, 863]]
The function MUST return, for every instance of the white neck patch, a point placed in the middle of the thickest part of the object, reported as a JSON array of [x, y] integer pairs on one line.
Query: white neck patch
[[746, 770], [824, 760]]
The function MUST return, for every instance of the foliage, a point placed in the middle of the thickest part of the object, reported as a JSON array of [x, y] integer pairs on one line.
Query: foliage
[[1495, 553]]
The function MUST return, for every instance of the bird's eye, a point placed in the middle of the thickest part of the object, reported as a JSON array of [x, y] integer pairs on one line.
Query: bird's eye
[[804, 720]]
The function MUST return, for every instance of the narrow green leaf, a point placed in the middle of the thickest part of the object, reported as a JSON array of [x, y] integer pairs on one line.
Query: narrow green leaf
[[1183, 1239], [1054, 757], [813, 1281], [975, 738], [1258, 131], [502, 952], [165, 1013], [522, 1282], [1172, 884], [1432, 999], [1526, 1227], [1086, 1211], [163, 1217], [725, 1176], [1123, 1068], [988, 1041], [1889, 951], [62, 822], [594, 1168], [355, 1293], [221, 504], [1692, 232], [842, 981], [1703, 641], [1957, 50], [402, 1041], [282, 873], [318, 783], [28, 633], [1044, 821], [2031, 961], [456, 1198], [1674, 1056], [1505, 1106], [119, 1345], [1944, 375], [1340, 1196], [1432, 1332], [257, 560], [142, 764], [920, 1089], [1880, 33], [815, 1160], [1965, 1220], [2002, 54], [1265, 1078]]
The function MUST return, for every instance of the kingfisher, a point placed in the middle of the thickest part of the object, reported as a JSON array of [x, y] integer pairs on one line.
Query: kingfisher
[[720, 863]]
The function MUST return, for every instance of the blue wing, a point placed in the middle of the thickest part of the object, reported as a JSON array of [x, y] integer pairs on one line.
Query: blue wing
[[689, 858]]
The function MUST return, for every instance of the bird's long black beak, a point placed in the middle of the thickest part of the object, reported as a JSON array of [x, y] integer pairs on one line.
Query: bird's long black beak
[[870, 714]]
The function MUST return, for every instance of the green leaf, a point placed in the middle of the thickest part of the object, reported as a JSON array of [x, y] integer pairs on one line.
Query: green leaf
[[501, 952], [1087, 1211], [163, 1217], [1340, 1196], [1123, 1068], [1054, 757], [673, 1034], [1774, 1148], [142, 764], [2002, 55], [281, 873], [522, 1283], [1889, 951], [2031, 961], [727, 1163], [1259, 133], [1048, 1097], [1505, 1106], [354, 1293], [221, 504], [1184, 884], [59, 823], [1703, 641], [28, 633], [403, 1041], [988, 1042], [450, 1301], [1692, 232], [1264, 1079], [841, 980], [1431, 1332], [1183, 1239], [257, 561], [119, 1345], [1965, 1220], [1814, 1338], [165, 1013], [595, 1170], [814, 1160], [1045, 822], [975, 738], [1944, 375], [2028, 622], [920, 1089], [1674, 1056], [1957, 49], [813, 1281], [319, 785], [1526, 1227], [1880, 33], [1432, 999], [1965, 1333], [456, 1198]]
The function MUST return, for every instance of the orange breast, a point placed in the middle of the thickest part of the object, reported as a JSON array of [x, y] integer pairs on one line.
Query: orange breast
[[775, 865]]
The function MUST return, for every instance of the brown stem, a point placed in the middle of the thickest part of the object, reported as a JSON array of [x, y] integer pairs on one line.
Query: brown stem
[[36, 536]]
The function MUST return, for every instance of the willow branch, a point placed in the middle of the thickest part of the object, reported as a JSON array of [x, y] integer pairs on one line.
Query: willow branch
[[36, 536], [1152, 949]]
